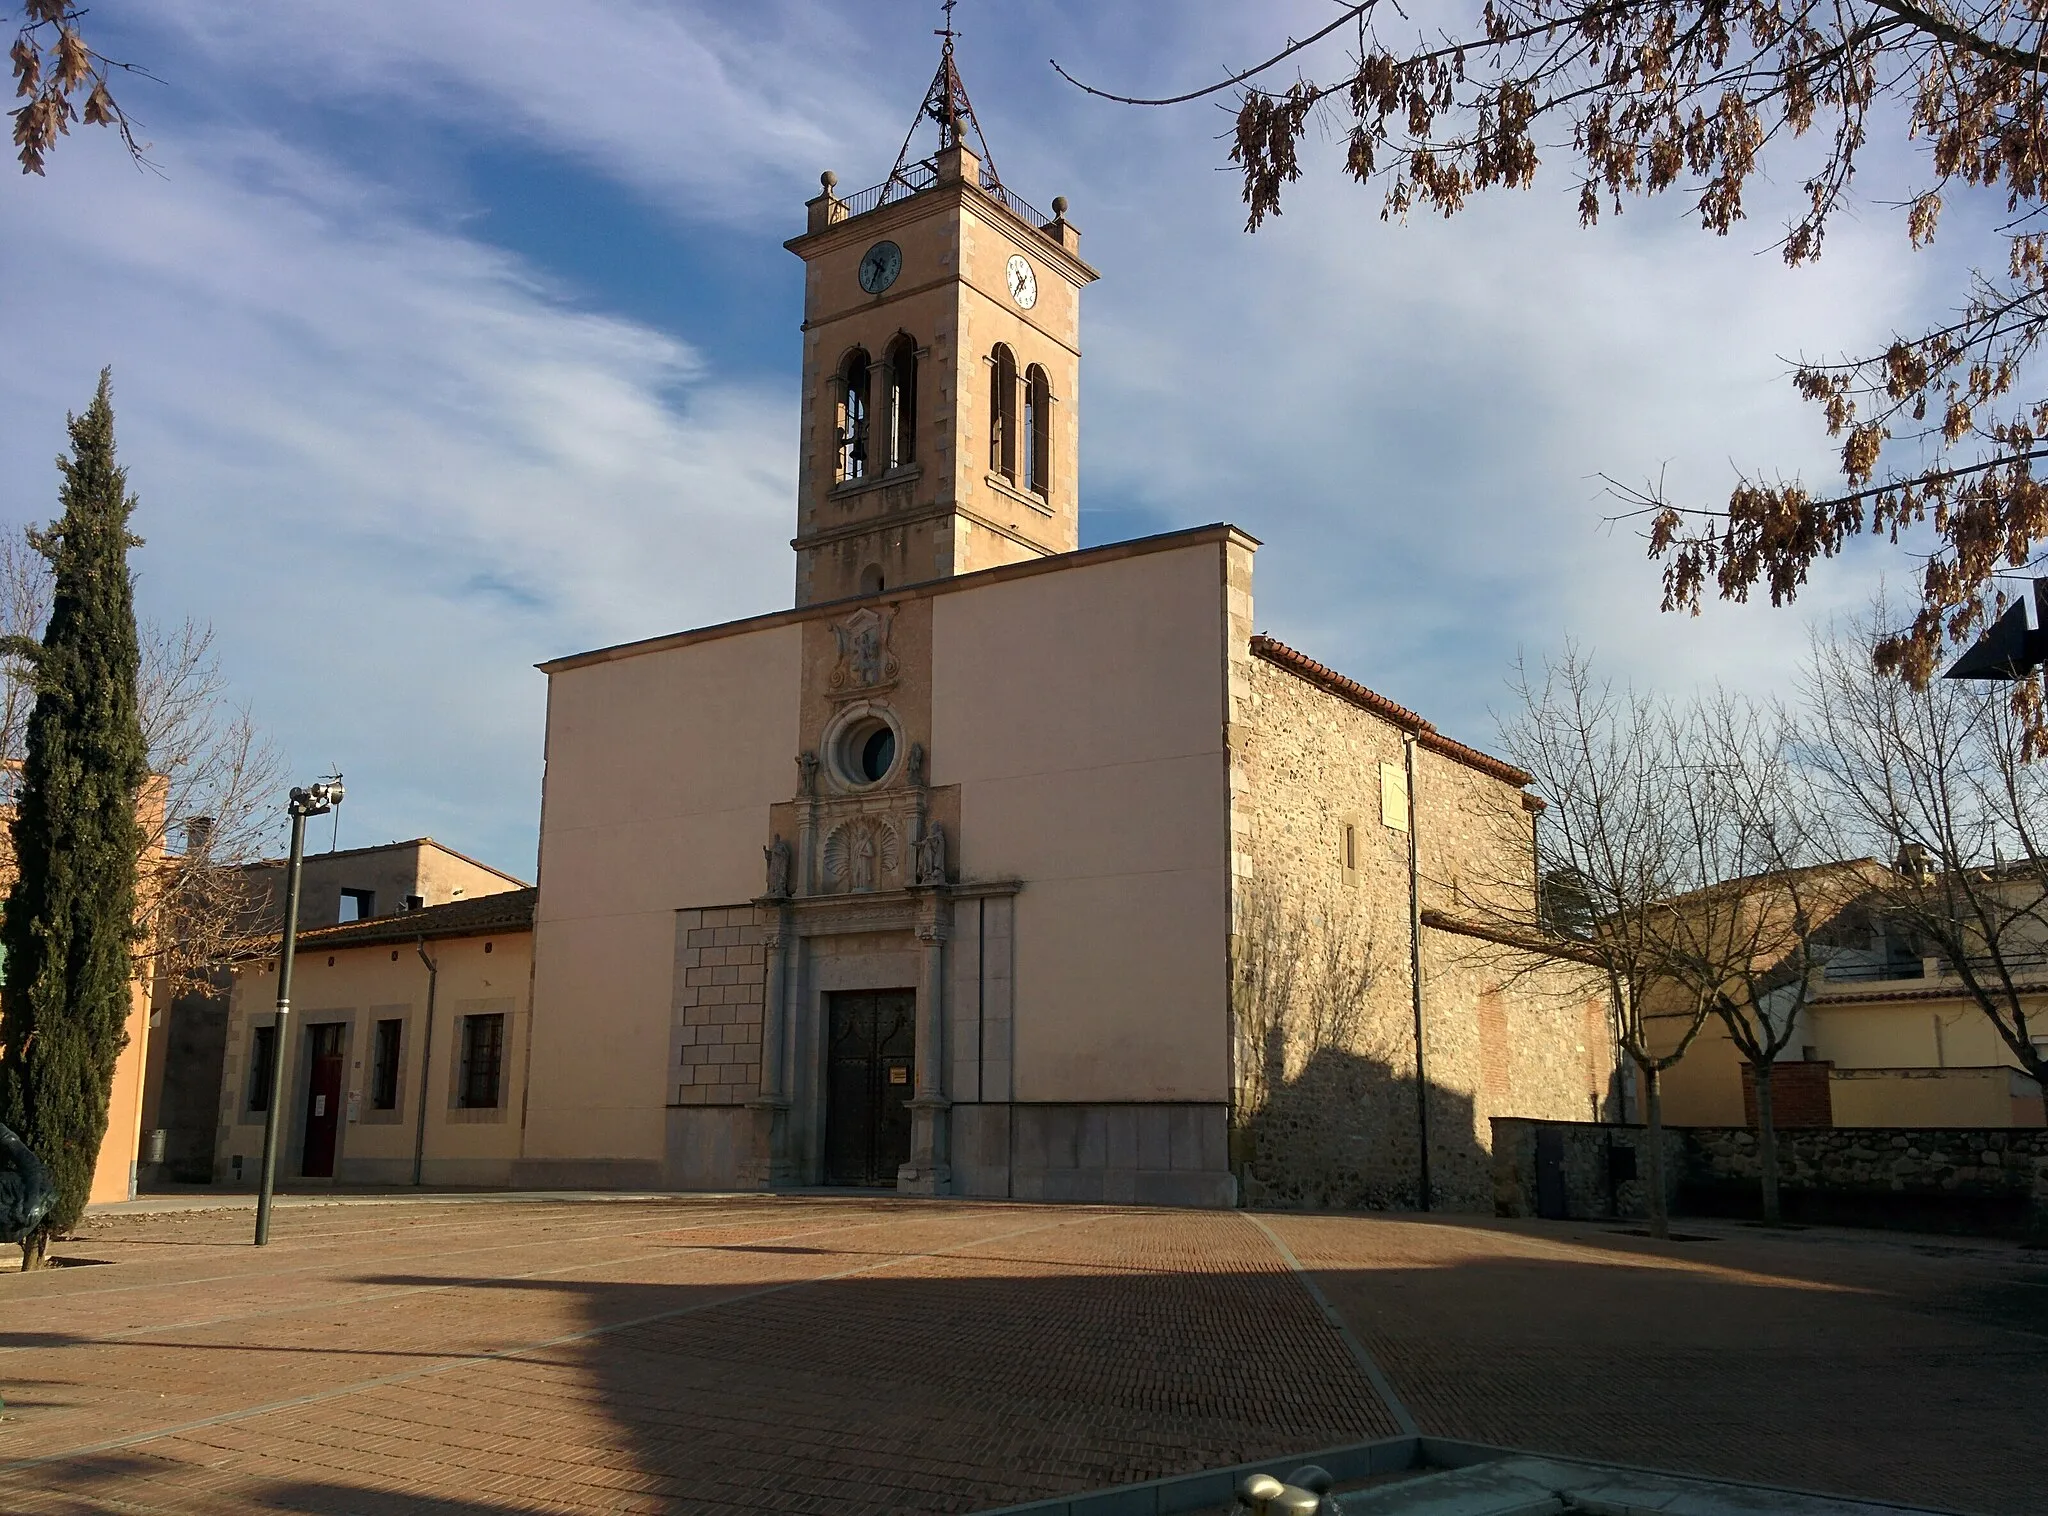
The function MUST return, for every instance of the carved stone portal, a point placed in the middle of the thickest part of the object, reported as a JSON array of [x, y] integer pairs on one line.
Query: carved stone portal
[[860, 854]]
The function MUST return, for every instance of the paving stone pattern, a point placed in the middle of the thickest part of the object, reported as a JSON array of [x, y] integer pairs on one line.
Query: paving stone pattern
[[859, 1354]]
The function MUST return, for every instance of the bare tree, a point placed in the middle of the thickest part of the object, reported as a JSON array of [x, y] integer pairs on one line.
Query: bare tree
[[25, 591], [220, 780], [210, 807], [1937, 781], [1613, 851], [1753, 944], [1941, 429]]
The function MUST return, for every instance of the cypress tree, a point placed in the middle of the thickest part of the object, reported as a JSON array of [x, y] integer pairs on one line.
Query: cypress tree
[[70, 923]]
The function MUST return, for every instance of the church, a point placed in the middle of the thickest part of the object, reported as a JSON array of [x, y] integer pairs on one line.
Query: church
[[996, 866]]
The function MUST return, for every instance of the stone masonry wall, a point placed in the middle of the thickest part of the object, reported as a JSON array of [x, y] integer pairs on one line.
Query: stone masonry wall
[[1964, 1179], [715, 1025], [1326, 1105]]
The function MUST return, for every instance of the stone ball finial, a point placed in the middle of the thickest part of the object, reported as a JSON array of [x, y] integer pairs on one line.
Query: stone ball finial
[[828, 179], [1059, 205]]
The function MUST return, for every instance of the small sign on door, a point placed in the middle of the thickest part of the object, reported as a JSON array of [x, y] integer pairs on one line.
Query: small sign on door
[[899, 1075], [319, 1106]]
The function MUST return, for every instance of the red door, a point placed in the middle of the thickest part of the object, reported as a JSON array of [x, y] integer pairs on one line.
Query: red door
[[323, 1099]]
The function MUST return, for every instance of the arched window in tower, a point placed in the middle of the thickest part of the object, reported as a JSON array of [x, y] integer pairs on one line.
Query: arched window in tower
[[899, 416], [1037, 432], [850, 416], [1002, 413]]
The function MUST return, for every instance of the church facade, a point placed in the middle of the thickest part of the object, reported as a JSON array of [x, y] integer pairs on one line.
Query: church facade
[[1000, 867]]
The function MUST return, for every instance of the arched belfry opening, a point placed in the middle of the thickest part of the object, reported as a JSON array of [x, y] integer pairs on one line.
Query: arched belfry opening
[[1002, 412], [899, 405], [850, 393], [1036, 432]]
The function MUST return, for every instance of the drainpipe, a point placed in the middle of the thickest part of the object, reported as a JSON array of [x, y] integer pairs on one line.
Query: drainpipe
[[419, 1140], [1415, 978]]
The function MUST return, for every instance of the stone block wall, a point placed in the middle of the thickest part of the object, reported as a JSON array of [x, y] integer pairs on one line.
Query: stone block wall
[[715, 1022], [1984, 1180], [1603, 1168], [1989, 1180], [1325, 1105]]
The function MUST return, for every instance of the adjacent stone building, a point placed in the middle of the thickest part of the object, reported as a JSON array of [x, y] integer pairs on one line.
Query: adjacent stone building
[[1002, 867]]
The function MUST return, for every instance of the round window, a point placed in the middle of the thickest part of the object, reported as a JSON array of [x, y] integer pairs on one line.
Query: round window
[[864, 750], [875, 754]]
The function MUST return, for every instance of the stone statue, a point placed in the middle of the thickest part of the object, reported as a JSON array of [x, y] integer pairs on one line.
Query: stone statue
[[931, 855], [779, 862], [807, 774], [917, 765], [862, 873]]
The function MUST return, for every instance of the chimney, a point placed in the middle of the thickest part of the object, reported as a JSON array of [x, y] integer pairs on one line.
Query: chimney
[[198, 836]]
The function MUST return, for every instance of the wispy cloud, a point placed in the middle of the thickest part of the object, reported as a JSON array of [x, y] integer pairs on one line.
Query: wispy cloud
[[343, 423], [396, 465]]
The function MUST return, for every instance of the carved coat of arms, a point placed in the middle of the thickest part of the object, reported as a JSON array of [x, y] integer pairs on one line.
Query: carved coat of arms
[[865, 661]]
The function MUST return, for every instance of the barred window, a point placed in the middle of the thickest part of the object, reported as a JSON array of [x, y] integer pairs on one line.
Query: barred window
[[483, 1054], [384, 1066], [262, 1061]]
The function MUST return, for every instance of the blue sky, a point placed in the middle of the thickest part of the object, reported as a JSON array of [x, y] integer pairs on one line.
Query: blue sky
[[455, 336]]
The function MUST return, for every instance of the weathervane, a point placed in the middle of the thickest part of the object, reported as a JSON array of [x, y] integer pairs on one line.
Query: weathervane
[[946, 104]]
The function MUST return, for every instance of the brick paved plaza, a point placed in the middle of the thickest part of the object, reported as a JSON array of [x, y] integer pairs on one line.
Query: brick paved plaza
[[855, 1354]]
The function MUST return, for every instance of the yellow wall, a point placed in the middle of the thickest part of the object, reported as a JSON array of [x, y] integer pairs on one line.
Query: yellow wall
[[1934, 1098], [1080, 713], [113, 1174], [1892, 1067], [660, 772], [360, 986]]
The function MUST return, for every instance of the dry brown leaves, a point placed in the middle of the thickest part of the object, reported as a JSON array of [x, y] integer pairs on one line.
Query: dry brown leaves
[[1687, 96], [53, 64]]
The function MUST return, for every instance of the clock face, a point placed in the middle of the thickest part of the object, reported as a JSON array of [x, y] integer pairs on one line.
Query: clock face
[[1023, 283], [878, 270]]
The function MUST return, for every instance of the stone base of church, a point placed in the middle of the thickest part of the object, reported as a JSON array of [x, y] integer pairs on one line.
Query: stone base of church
[[1151, 1154]]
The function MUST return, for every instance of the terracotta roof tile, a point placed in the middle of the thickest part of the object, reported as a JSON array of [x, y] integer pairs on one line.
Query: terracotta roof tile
[[511, 911], [1346, 688]]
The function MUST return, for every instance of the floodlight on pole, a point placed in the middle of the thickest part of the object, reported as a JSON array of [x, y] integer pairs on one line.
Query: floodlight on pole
[[312, 800]]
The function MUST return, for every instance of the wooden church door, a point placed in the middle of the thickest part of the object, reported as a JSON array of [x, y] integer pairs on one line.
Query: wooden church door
[[870, 1052]]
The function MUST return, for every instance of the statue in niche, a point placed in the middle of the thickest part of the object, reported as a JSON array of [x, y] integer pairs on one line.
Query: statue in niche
[[780, 860], [931, 855], [806, 774], [916, 765]]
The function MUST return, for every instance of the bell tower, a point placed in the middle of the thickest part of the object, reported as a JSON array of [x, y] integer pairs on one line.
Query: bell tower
[[941, 369]]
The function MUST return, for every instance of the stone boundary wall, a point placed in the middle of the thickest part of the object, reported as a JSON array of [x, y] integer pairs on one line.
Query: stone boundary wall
[[1979, 1180]]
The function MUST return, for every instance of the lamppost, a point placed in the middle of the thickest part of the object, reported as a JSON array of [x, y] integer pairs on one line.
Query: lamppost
[[313, 800]]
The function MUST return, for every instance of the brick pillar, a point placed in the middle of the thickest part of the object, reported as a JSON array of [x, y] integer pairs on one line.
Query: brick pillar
[[1800, 1095]]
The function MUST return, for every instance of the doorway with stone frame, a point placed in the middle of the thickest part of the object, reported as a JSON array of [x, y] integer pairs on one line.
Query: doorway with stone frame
[[870, 1059]]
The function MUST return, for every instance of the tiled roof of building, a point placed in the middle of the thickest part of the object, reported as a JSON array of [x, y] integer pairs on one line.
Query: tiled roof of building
[[1510, 936], [1348, 689], [1954, 991], [483, 916]]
